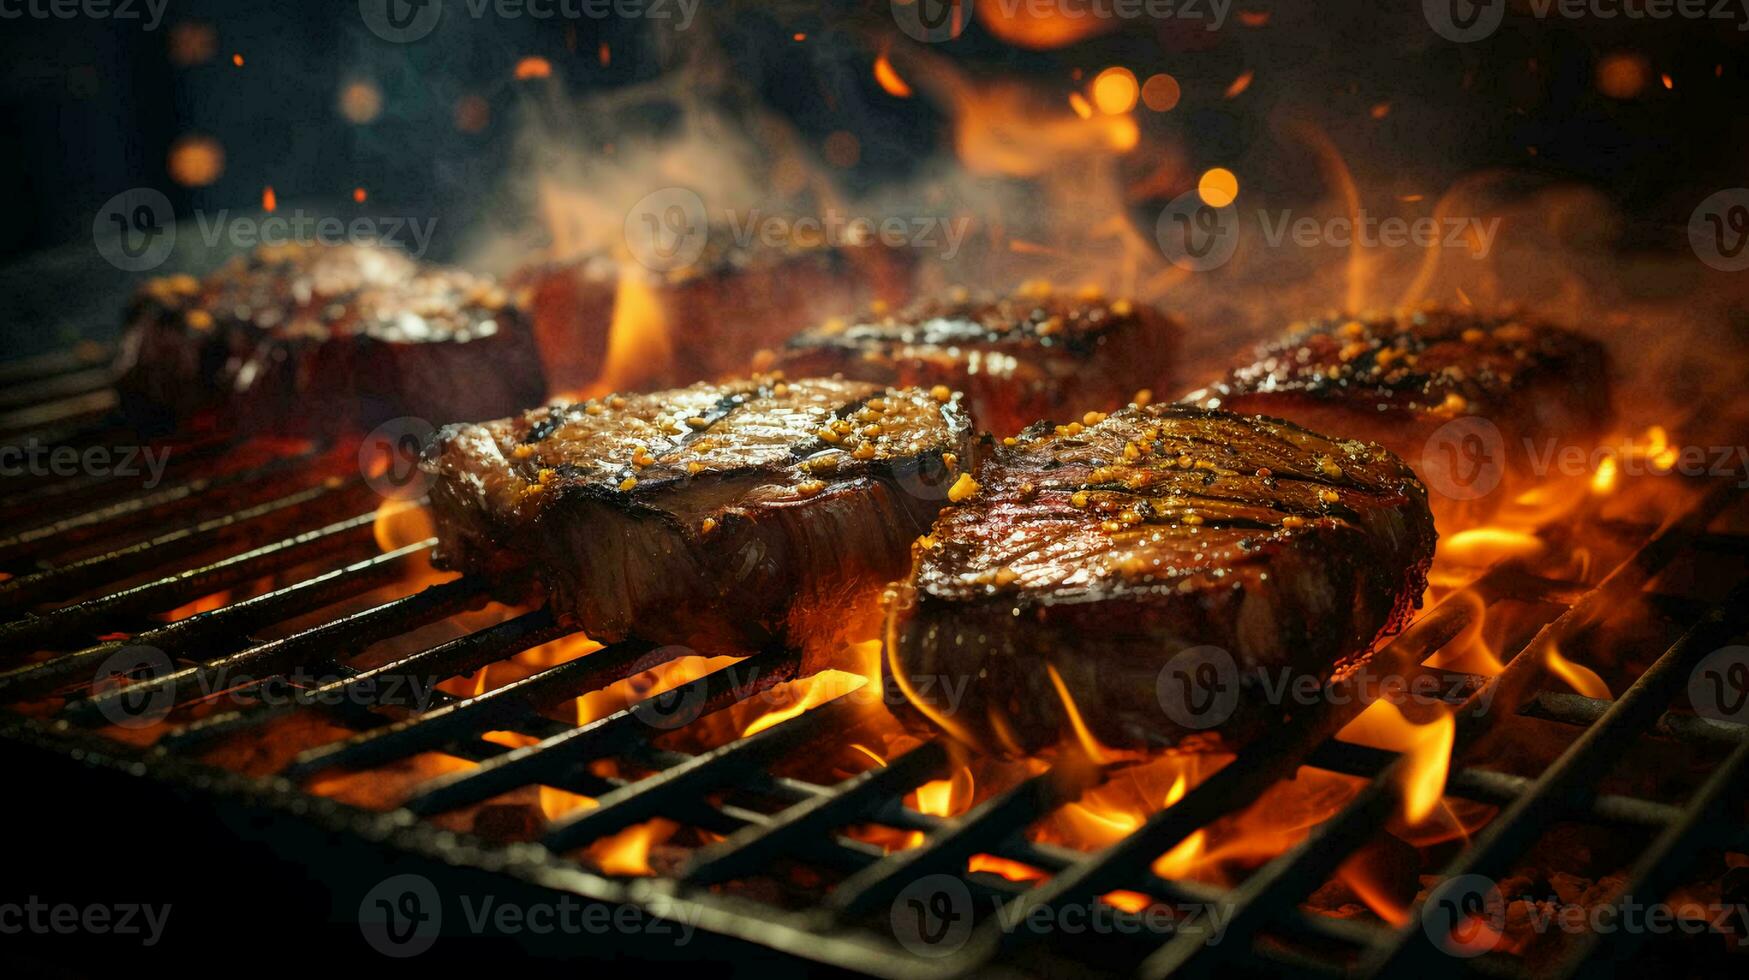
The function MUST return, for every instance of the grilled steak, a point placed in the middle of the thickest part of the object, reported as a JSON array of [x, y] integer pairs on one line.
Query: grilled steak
[[706, 316], [714, 516], [318, 340], [1019, 358], [1510, 384], [1092, 561]]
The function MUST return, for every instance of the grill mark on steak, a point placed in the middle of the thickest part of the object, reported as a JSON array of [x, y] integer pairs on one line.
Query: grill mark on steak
[[720, 534], [1035, 353], [312, 340], [1105, 550], [1397, 379]]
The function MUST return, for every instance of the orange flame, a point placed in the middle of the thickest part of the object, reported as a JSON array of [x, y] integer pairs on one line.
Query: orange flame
[[1426, 750], [1577, 676], [889, 79], [1026, 27]]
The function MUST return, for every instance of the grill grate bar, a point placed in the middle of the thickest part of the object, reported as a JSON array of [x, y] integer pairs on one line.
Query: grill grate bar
[[1576, 709], [1658, 869], [1488, 786], [719, 767], [1280, 883], [37, 498], [462, 655], [238, 618], [335, 638], [71, 414], [229, 490], [562, 752], [747, 851], [111, 566], [1586, 760], [1239, 783], [482, 712], [980, 829], [173, 590]]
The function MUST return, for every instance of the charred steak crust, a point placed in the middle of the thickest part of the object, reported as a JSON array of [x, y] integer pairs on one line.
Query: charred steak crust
[[314, 340], [1101, 552], [1035, 353], [1396, 379], [710, 516]]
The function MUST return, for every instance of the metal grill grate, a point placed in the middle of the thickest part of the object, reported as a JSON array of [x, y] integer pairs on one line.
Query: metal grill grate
[[210, 529]]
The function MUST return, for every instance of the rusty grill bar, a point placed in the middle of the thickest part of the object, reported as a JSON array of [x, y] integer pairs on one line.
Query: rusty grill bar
[[205, 532]]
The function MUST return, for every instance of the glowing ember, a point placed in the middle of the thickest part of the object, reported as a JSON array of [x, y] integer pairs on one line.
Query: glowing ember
[[1218, 187], [533, 66], [889, 79], [1623, 76], [269, 200], [1033, 26], [1160, 93], [1115, 91], [361, 102], [1239, 85], [196, 161], [359, 195]]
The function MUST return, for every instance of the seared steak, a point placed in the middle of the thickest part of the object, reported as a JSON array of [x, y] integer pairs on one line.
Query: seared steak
[[318, 340], [706, 316], [1401, 380], [1034, 354], [713, 516], [1093, 559]]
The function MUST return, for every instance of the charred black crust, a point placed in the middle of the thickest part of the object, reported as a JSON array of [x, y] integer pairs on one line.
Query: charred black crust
[[1420, 360], [1040, 319]]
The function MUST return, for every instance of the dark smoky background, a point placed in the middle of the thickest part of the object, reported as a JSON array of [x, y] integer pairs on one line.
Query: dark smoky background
[[213, 101]]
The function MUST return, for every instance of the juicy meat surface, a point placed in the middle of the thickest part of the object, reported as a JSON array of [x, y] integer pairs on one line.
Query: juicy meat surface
[[715, 516], [1401, 380], [698, 322], [1092, 557], [314, 340], [1036, 353]]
